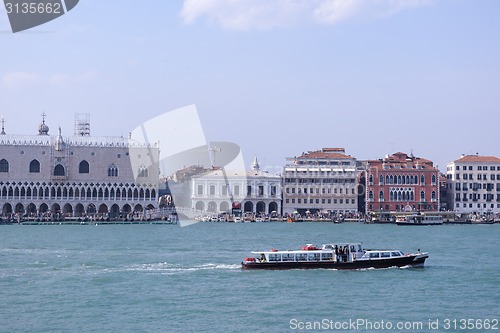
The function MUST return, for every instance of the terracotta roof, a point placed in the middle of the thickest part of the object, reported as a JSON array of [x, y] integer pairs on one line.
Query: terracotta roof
[[478, 159], [402, 161], [324, 154]]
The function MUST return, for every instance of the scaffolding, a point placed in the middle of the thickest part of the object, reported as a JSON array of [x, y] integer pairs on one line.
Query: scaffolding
[[82, 124]]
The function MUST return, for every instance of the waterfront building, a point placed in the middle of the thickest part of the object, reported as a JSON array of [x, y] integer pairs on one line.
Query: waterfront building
[[474, 184], [76, 175], [252, 191], [402, 182], [320, 181]]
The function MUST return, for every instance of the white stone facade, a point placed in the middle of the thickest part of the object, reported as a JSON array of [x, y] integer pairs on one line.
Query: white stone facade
[[474, 185], [76, 175], [254, 191]]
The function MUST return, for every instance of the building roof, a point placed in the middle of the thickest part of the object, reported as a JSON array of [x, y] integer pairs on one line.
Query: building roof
[[326, 153], [401, 161], [478, 159], [238, 174]]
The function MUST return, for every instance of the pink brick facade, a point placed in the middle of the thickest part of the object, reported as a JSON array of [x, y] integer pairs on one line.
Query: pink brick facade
[[402, 182]]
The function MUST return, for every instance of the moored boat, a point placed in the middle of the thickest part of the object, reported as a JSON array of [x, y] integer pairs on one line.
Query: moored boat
[[333, 256], [419, 219]]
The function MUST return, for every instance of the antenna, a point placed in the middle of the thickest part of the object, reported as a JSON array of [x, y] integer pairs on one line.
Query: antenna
[[213, 150]]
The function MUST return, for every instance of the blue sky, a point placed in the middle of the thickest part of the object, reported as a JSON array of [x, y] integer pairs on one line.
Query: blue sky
[[276, 77]]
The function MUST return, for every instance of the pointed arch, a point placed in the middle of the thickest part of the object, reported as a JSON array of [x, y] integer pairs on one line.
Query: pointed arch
[[84, 167], [4, 165], [59, 170], [34, 166]]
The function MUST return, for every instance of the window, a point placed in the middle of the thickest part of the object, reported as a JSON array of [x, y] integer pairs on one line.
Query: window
[[4, 165], [422, 196], [59, 170], [143, 171], [261, 191], [422, 179], [236, 189], [273, 190], [84, 167], [112, 171], [200, 189], [249, 190], [381, 196], [35, 166], [224, 190]]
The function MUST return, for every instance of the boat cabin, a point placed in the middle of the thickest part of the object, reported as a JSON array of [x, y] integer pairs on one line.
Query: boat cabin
[[343, 252], [381, 254]]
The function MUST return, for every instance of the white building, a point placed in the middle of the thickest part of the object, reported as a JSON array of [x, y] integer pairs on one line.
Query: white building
[[253, 191], [76, 175], [323, 180], [474, 184]]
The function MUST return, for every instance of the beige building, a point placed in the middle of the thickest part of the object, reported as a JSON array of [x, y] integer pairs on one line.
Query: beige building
[[76, 175], [323, 180]]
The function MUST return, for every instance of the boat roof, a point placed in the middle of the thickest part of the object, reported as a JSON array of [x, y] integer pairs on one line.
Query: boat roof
[[319, 250]]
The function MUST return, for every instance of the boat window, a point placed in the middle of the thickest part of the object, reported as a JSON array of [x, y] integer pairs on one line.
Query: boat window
[[302, 256], [385, 254], [374, 255], [327, 256], [288, 257], [274, 257], [395, 254], [360, 248], [328, 247], [313, 256]]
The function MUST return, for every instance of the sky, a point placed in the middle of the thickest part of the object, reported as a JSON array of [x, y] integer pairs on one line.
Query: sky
[[276, 77]]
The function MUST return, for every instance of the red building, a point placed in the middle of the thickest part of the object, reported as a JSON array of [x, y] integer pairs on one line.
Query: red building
[[402, 183]]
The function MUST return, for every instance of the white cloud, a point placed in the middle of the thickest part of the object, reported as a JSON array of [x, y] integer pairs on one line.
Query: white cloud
[[266, 14], [245, 14], [15, 79], [22, 79]]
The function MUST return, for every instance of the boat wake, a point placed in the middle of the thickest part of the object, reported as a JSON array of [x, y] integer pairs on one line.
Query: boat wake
[[172, 269]]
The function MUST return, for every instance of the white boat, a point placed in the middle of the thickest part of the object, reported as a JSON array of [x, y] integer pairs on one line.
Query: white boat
[[419, 219], [333, 256]]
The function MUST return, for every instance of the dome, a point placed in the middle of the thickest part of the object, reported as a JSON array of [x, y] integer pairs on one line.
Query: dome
[[43, 129]]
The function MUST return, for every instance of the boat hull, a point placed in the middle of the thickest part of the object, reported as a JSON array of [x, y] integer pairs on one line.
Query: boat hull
[[411, 260], [417, 224]]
